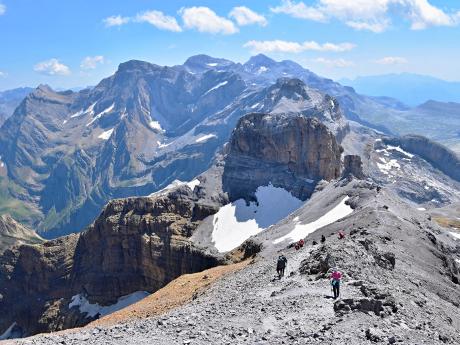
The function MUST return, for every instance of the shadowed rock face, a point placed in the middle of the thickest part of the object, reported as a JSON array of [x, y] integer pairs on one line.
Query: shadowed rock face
[[140, 244], [293, 152], [353, 166], [136, 244], [438, 155]]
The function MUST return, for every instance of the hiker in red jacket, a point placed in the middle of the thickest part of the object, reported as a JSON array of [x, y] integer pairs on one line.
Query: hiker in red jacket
[[341, 235], [336, 277]]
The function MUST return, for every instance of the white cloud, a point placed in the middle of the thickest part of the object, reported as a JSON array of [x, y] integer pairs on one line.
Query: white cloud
[[246, 16], [374, 27], [2, 9], [116, 21], [91, 62], [159, 20], [371, 15], [341, 63], [328, 47], [274, 46], [391, 60], [204, 19], [295, 47], [3, 74], [423, 15], [300, 10], [52, 67]]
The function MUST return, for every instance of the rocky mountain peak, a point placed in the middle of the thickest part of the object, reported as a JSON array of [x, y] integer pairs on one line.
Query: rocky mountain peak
[[292, 88], [291, 151], [202, 62], [258, 61], [138, 66]]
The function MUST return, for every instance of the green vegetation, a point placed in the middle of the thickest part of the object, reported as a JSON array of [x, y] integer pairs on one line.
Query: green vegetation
[[18, 209]]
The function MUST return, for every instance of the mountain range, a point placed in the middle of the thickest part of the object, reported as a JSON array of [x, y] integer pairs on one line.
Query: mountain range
[[173, 190], [281, 177], [411, 89], [65, 154]]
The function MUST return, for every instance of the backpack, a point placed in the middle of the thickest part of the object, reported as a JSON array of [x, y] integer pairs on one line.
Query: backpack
[[281, 262]]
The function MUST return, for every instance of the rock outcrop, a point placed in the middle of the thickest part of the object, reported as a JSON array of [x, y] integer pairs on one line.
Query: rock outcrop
[[353, 166], [438, 155], [290, 151], [136, 244]]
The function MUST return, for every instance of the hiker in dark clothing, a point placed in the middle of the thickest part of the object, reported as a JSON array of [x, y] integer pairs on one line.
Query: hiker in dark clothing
[[323, 239], [281, 266]]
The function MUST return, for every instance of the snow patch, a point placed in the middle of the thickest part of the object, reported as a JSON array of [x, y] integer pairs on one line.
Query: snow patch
[[92, 310], [216, 87], [386, 167], [205, 138], [255, 106], [303, 230], [236, 222], [400, 150], [90, 110], [455, 234], [192, 184], [102, 113], [212, 64], [156, 125], [421, 208], [262, 69], [161, 145], [105, 135], [174, 184]]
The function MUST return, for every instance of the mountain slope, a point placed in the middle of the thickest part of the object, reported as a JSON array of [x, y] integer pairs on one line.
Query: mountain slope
[[12, 233], [132, 134], [9, 100], [398, 286]]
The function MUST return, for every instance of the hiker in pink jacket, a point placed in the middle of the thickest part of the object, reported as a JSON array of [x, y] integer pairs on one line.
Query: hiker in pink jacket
[[336, 276]]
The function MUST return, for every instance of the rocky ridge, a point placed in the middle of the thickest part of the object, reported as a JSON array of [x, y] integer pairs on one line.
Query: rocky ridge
[[399, 285]]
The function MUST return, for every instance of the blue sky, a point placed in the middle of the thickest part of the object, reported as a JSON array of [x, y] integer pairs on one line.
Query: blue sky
[[78, 42]]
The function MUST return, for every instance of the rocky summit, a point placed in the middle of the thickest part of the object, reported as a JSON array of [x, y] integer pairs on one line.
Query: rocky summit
[[188, 182]]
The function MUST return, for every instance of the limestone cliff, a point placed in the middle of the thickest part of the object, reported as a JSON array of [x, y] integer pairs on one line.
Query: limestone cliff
[[438, 155], [293, 152], [136, 244]]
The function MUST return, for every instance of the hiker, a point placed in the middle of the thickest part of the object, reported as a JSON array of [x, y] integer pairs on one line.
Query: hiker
[[336, 276], [323, 239], [299, 244], [341, 235], [314, 243], [281, 265]]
